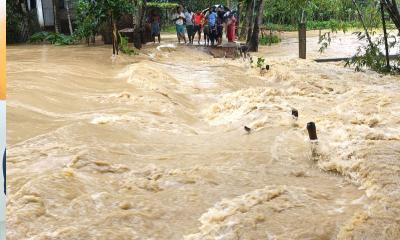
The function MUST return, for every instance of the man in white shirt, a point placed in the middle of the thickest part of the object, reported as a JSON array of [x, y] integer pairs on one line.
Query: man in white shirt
[[179, 19]]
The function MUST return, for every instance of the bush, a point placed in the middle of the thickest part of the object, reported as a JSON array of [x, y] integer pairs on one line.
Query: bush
[[269, 39], [124, 46], [316, 25], [169, 29], [53, 38]]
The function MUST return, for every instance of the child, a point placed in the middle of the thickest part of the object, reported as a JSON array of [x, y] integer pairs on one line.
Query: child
[[155, 26]]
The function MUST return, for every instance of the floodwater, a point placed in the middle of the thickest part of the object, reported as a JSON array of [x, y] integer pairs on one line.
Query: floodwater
[[153, 147]]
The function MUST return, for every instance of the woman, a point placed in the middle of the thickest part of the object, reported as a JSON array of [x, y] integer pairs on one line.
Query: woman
[[231, 29], [179, 19]]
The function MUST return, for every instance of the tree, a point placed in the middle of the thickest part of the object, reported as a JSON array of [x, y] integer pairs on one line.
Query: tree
[[393, 10], [71, 31], [56, 16], [92, 14], [247, 19], [253, 42], [21, 22]]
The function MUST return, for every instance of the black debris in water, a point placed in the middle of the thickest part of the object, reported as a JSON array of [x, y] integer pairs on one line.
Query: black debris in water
[[295, 114]]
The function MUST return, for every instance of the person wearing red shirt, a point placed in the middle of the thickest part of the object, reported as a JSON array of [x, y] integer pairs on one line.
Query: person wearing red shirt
[[198, 19]]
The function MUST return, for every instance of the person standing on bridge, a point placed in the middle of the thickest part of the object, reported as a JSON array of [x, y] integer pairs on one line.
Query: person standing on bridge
[[212, 20], [231, 28], [198, 19], [179, 19], [155, 26], [189, 25], [220, 25]]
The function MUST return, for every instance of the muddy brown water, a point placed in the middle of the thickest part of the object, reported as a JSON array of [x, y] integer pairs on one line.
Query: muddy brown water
[[153, 147]]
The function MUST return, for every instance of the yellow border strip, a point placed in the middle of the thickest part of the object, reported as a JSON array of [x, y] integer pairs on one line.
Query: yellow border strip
[[2, 49], [2, 113]]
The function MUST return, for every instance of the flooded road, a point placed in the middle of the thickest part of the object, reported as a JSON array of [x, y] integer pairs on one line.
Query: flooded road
[[153, 147]]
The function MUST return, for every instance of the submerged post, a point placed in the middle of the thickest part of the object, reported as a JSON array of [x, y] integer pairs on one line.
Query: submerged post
[[312, 131], [302, 40]]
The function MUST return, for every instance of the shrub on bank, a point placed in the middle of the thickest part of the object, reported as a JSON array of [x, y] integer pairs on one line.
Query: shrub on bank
[[269, 39], [53, 38]]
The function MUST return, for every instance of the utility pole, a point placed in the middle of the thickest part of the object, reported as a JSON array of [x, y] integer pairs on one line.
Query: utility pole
[[385, 37]]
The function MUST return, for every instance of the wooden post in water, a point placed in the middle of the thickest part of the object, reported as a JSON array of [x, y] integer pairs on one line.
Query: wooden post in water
[[302, 41], [312, 131], [385, 37]]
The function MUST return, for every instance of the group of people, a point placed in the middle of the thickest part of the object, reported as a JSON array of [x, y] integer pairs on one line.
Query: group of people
[[210, 22]]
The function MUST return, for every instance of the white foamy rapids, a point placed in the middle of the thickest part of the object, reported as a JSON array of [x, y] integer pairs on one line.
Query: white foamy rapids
[[250, 104], [221, 221], [166, 47]]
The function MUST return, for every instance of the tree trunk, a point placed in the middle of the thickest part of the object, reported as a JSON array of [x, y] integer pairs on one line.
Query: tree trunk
[[360, 16], [392, 9], [253, 43], [238, 19], [247, 19], [71, 31], [56, 17], [115, 37], [142, 14]]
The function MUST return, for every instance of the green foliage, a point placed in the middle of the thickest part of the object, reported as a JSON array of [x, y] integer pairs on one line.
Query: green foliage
[[169, 28], [124, 46], [332, 24], [371, 57], [194, 4], [164, 5], [88, 18], [291, 12], [91, 15], [20, 22], [316, 25], [14, 16], [269, 39], [53, 38], [260, 62]]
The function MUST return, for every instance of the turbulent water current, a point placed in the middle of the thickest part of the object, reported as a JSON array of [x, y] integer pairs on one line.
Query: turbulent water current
[[153, 146]]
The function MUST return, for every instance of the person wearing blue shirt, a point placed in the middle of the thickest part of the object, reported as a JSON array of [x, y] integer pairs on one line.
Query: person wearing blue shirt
[[212, 19]]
